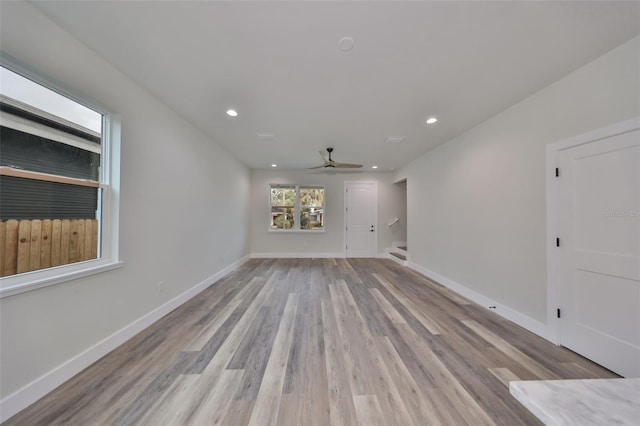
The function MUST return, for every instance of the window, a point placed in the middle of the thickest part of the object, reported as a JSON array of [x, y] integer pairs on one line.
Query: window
[[56, 197], [311, 207], [296, 207], [283, 205]]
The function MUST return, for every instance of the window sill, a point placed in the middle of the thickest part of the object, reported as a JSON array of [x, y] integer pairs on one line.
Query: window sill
[[296, 231], [16, 284]]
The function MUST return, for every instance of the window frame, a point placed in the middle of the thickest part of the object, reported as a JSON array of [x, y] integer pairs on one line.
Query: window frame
[[108, 199], [296, 210]]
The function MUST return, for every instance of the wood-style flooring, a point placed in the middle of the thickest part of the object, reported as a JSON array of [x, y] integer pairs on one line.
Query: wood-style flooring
[[315, 342]]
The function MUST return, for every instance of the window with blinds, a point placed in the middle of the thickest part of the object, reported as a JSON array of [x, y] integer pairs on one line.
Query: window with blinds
[[51, 192]]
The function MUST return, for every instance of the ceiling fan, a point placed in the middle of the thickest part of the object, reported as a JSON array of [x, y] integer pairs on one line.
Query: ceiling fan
[[329, 163]]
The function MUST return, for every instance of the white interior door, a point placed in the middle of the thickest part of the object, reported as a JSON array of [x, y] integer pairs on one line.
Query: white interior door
[[360, 212], [599, 264]]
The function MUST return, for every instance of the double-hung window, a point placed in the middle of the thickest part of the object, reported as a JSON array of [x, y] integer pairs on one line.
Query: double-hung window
[[57, 204], [296, 208]]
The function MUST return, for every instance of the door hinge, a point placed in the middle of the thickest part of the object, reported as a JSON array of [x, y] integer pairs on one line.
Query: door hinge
[[557, 242], [558, 312], [557, 172]]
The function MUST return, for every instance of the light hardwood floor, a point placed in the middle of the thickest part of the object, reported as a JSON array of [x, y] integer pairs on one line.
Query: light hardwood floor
[[324, 342]]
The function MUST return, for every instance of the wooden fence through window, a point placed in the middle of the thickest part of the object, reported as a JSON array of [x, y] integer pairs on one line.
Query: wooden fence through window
[[29, 245]]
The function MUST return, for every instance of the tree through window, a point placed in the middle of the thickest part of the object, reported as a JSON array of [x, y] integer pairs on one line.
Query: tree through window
[[289, 202], [311, 208], [283, 202]]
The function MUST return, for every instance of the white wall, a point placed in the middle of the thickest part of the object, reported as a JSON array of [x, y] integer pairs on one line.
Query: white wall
[[400, 229], [331, 242], [476, 205], [184, 211]]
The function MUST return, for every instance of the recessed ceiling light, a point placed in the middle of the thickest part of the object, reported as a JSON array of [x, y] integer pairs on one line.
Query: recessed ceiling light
[[274, 165], [431, 120], [232, 113], [374, 167]]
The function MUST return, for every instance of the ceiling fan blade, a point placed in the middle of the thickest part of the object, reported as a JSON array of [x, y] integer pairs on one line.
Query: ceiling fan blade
[[326, 163], [346, 166], [329, 163]]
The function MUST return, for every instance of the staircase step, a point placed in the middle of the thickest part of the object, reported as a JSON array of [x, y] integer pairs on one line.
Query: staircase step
[[403, 248], [398, 255]]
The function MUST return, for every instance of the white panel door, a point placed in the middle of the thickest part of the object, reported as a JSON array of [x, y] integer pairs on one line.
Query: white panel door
[[599, 224], [361, 204]]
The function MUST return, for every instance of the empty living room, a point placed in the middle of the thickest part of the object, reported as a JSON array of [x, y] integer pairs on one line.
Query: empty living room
[[319, 212]]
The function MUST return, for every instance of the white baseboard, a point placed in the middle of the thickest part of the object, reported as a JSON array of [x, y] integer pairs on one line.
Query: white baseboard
[[296, 255], [382, 255], [35, 390], [512, 315]]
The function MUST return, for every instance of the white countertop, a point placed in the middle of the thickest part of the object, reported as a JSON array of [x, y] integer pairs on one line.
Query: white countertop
[[581, 402]]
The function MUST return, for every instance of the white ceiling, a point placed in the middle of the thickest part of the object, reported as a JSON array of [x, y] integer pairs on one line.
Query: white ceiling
[[279, 64]]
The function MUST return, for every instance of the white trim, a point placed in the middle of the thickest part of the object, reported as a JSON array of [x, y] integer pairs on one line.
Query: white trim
[[522, 320], [297, 231], [297, 255], [110, 202], [597, 134], [552, 253], [35, 390], [67, 273], [552, 151]]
